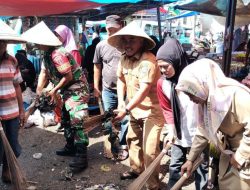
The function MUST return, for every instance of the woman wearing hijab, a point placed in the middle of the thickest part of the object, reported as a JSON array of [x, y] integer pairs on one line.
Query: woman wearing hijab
[[178, 111], [226, 108], [66, 36]]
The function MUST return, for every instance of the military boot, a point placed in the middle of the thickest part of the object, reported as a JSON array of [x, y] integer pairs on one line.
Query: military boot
[[68, 150], [80, 161]]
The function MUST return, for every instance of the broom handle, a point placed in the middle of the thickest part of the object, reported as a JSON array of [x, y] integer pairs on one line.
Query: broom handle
[[1, 127], [30, 110], [183, 178], [100, 105], [138, 183]]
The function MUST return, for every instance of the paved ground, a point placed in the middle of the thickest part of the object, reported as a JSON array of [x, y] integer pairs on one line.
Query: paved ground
[[48, 173]]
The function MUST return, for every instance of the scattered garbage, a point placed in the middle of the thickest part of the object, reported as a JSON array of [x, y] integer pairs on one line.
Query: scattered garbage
[[68, 176], [32, 187], [103, 187], [37, 155], [105, 168]]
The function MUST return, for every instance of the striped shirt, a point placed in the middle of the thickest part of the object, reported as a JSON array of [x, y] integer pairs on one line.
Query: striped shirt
[[9, 75]]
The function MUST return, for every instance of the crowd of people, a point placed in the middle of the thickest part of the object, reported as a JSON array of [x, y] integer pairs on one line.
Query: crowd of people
[[147, 90]]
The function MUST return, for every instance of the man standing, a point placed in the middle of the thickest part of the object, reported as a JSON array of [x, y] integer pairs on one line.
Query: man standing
[[105, 66], [11, 101], [60, 68], [137, 74]]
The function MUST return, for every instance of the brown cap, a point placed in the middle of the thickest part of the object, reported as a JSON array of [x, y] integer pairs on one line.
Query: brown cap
[[113, 21]]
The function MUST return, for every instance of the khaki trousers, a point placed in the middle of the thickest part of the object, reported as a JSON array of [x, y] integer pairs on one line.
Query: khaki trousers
[[143, 139], [229, 178]]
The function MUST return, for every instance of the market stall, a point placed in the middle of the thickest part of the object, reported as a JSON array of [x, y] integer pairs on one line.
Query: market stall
[[236, 11]]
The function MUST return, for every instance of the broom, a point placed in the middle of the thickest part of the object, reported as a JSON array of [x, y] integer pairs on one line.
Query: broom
[[30, 110], [183, 178], [17, 176], [93, 122], [90, 123], [138, 183]]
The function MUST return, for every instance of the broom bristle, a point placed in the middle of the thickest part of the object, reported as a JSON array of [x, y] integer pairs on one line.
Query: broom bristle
[[92, 123], [142, 179], [17, 176]]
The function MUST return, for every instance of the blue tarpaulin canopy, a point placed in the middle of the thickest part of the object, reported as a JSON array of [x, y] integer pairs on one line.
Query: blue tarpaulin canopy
[[4, 17]]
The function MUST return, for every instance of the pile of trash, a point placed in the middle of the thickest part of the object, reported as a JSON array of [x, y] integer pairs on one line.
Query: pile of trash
[[43, 116], [103, 187]]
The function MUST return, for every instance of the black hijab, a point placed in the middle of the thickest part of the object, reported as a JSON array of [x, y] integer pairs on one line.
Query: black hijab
[[173, 53]]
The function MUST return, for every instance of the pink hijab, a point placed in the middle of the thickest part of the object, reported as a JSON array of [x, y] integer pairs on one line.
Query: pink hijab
[[67, 36], [205, 79]]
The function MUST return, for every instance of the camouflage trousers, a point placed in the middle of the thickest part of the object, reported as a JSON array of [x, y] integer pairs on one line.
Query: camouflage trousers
[[74, 111]]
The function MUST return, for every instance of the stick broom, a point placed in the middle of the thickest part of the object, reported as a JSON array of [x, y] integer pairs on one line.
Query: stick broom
[[183, 178], [139, 182], [17, 177]]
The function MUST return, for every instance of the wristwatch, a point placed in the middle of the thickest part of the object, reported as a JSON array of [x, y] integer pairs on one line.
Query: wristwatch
[[127, 111]]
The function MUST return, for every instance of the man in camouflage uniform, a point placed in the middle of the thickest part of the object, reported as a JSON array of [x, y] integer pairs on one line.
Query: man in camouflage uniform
[[60, 68]]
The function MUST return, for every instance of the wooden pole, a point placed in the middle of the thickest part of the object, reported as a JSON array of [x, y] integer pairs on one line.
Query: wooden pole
[[229, 30], [183, 178], [139, 182], [159, 24]]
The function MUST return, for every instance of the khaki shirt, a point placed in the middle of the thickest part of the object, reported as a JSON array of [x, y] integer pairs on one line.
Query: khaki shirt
[[141, 68]]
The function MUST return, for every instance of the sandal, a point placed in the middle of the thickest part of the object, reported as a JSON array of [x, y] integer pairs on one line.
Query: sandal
[[122, 153]]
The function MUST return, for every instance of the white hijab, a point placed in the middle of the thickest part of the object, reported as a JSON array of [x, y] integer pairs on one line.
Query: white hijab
[[205, 79]]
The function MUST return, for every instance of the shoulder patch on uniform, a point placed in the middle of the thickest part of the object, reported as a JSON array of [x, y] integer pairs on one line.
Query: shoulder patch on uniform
[[144, 70]]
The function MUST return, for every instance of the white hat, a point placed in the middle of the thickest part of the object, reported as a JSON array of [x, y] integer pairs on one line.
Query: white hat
[[8, 34], [132, 29], [41, 34]]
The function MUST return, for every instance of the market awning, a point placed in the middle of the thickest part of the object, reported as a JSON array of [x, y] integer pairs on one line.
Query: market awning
[[53, 7], [183, 15], [43, 7], [120, 8], [217, 7]]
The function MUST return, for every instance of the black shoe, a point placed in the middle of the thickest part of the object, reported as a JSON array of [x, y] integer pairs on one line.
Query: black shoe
[[128, 175], [66, 151], [60, 128], [80, 161]]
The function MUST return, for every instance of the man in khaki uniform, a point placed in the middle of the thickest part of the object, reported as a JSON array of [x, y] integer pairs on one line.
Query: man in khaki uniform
[[137, 76]]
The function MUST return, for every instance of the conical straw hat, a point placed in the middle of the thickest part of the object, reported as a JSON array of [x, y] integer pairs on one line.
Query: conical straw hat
[[8, 34], [131, 29], [41, 34]]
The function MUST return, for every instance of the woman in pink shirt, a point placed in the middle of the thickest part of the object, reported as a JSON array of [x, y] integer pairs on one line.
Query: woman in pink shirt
[[66, 36]]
